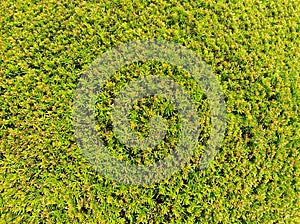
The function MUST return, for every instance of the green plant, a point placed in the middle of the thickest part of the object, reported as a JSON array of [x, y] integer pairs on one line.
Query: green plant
[[252, 46]]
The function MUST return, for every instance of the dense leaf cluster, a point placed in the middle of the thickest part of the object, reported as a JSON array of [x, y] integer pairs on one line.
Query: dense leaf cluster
[[252, 47]]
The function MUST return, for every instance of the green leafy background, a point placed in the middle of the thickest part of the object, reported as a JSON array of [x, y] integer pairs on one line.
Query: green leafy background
[[252, 47]]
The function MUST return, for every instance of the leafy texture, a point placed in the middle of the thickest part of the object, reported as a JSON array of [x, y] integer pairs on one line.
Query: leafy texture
[[252, 47]]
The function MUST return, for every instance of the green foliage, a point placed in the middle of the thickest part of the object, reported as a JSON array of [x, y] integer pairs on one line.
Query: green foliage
[[253, 48]]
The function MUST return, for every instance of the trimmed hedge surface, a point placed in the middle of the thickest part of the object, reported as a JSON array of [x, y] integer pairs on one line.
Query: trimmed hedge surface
[[252, 47]]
